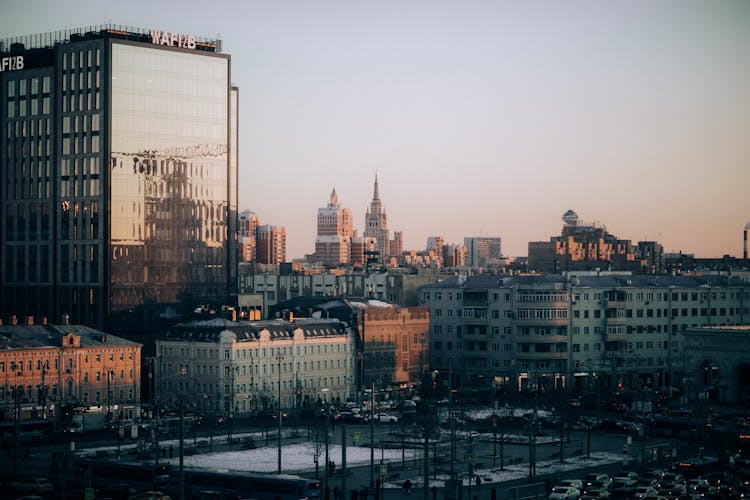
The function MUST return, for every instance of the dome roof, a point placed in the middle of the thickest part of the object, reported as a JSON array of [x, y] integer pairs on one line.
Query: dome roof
[[570, 218]]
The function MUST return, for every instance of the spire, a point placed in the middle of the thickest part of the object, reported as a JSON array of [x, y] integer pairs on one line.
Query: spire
[[376, 196], [334, 201]]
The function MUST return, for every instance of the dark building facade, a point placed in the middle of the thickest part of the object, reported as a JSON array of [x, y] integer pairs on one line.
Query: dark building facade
[[118, 162]]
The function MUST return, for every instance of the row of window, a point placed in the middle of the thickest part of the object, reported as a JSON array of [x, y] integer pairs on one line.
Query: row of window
[[29, 86]]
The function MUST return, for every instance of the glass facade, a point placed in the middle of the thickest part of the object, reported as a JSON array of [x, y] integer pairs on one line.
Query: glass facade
[[26, 197], [118, 162], [169, 176]]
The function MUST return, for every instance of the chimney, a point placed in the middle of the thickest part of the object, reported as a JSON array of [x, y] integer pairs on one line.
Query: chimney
[[13, 320], [65, 319], [30, 320]]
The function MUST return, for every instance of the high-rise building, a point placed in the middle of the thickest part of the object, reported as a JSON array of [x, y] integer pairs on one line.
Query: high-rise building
[[119, 167], [483, 251], [335, 229], [271, 245], [376, 223], [247, 232]]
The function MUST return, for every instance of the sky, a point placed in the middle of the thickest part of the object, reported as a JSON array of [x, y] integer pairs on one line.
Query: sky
[[483, 117]]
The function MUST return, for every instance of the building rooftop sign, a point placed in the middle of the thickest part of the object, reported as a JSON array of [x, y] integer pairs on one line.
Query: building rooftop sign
[[172, 39]]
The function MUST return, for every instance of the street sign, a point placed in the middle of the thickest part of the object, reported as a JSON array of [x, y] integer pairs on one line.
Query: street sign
[[355, 437], [383, 468]]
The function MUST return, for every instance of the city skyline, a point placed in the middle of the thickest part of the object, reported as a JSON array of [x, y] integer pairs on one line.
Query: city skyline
[[489, 119]]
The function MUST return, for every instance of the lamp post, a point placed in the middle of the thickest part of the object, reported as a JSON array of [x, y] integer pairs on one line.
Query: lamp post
[[279, 357]]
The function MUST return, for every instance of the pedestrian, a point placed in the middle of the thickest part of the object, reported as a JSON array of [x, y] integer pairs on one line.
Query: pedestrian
[[479, 481], [336, 492], [434, 492], [493, 494], [378, 486], [171, 451], [407, 487]]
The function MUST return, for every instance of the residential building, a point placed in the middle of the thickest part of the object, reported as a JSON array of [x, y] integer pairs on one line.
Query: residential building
[[247, 235], [271, 244], [119, 168], [232, 368], [59, 367], [627, 329]]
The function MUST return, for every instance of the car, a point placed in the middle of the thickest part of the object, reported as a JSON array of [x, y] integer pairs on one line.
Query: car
[[348, 417], [32, 485], [150, 495], [575, 483], [622, 487], [626, 475], [592, 486], [595, 495], [385, 417], [644, 491], [564, 493], [648, 482]]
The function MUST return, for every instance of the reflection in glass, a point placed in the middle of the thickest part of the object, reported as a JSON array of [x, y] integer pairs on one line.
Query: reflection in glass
[[169, 185]]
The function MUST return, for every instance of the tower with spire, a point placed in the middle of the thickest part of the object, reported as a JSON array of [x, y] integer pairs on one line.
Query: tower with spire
[[376, 224], [335, 229]]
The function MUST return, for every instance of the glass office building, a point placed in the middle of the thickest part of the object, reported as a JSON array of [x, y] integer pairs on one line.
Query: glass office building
[[119, 176]]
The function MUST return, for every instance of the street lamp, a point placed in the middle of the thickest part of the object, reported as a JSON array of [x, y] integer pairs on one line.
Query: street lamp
[[279, 357]]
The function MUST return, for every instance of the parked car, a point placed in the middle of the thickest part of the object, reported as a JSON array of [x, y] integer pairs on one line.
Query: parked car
[[385, 417], [32, 485], [564, 493], [622, 487], [575, 483], [597, 485], [644, 491]]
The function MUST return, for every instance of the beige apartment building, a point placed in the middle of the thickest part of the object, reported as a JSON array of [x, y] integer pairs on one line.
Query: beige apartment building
[[234, 368]]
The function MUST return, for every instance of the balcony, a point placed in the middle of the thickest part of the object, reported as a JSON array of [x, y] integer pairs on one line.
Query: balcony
[[533, 356], [542, 322], [615, 304], [614, 337], [614, 320]]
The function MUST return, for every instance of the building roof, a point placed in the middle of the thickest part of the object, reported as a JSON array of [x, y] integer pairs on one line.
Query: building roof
[[484, 281], [41, 336], [249, 331]]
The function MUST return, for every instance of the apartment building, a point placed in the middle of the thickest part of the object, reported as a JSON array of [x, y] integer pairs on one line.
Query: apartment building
[[233, 368], [627, 330]]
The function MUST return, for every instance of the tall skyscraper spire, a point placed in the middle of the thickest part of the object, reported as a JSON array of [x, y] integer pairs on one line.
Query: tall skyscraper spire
[[376, 196]]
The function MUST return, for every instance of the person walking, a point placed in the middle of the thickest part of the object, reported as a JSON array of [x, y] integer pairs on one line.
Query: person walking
[[434, 492]]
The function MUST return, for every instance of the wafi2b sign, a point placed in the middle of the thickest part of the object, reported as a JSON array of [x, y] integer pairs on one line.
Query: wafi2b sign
[[171, 39], [11, 63]]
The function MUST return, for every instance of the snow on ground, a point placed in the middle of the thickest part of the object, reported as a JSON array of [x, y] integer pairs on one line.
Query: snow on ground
[[299, 458], [294, 458]]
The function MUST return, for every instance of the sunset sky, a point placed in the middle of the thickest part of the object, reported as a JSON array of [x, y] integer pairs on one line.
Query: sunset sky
[[479, 117]]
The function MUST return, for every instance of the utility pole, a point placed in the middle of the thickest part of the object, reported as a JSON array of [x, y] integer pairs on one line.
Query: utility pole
[[372, 438], [278, 360], [343, 461]]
